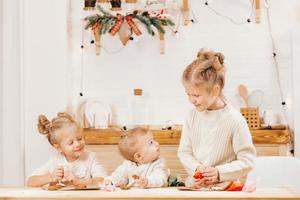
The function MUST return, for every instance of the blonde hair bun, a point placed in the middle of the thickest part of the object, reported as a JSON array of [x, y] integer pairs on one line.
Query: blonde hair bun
[[215, 59], [65, 115], [43, 125], [50, 128]]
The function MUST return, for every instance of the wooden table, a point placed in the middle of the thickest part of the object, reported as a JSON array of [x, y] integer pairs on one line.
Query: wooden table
[[149, 194]]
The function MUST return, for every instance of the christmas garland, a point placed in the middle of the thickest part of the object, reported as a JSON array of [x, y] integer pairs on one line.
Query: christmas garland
[[106, 22]]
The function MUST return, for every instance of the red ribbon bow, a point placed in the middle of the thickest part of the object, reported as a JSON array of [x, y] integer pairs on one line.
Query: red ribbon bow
[[134, 27], [95, 26], [117, 26]]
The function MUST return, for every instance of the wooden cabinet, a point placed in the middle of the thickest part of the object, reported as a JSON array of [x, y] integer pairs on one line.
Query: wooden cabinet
[[267, 142], [104, 143]]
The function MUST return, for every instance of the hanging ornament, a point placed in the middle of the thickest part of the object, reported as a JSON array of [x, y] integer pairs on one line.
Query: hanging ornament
[[117, 26], [96, 31], [115, 5], [125, 33], [257, 11], [185, 10], [89, 4], [162, 43], [107, 22], [130, 22]]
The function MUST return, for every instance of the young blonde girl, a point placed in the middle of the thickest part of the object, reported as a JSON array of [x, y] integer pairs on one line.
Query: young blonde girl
[[72, 164], [143, 166], [215, 140]]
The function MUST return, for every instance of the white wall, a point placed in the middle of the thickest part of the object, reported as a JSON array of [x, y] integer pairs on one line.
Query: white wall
[[247, 49], [12, 144], [50, 75], [45, 75], [1, 96]]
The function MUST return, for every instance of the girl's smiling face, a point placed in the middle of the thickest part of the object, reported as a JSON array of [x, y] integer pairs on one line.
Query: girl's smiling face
[[201, 98], [70, 142]]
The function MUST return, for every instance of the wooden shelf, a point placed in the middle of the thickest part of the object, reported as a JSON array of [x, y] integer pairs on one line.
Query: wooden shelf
[[112, 136], [271, 136]]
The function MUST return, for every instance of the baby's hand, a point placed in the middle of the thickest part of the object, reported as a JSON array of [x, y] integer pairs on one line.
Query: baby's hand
[[211, 175], [58, 173], [142, 182], [70, 177], [107, 182]]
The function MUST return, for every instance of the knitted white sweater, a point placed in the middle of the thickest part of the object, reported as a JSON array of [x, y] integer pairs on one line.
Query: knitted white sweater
[[219, 138]]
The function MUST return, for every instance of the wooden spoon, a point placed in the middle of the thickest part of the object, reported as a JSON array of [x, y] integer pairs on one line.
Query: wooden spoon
[[243, 91]]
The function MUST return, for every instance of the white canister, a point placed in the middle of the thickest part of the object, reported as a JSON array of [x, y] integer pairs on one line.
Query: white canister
[[270, 117]]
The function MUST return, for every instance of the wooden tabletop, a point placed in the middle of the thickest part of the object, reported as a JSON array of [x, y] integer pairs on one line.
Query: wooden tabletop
[[149, 194]]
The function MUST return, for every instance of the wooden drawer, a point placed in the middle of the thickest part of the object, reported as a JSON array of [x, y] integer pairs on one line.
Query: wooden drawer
[[272, 150]]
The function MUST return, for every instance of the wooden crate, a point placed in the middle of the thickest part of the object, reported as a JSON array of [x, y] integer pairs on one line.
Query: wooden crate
[[251, 115]]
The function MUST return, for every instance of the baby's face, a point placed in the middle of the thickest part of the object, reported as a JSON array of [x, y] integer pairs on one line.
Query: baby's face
[[71, 143], [148, 148]]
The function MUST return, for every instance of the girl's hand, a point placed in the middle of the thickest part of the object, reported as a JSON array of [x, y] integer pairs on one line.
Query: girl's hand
[[211, 175], [58, 173], [198, 175], [200, 168], [142, 182], [198, 183], [198, 178]]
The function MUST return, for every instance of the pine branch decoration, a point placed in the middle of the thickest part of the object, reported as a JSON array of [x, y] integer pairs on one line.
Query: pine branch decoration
[[108, 21], [146, 22], [105, 13], [157, 24]]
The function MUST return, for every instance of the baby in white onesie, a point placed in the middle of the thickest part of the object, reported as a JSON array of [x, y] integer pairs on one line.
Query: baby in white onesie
[[143, 166]]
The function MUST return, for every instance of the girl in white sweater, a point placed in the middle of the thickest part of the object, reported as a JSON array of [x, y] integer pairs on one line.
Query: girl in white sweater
[[215, 139], [72, 164], [143, 166]]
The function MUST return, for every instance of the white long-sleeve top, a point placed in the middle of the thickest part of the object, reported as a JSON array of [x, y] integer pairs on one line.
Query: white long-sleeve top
[[219, 138], [156, 172], [86, 166]]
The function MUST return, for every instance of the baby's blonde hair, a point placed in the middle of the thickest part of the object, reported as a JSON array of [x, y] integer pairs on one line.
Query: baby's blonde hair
[[207, 69], [128, 145], [50, 128]]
